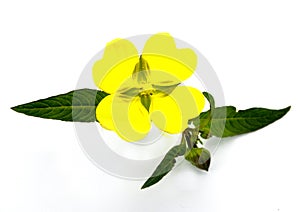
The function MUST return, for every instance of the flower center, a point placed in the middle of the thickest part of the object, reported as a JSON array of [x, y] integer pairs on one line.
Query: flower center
[[149, 92], [146, 89], [145, 97]]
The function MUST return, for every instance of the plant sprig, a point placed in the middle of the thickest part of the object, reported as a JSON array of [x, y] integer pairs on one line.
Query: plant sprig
[[80, 106], [221, 122]]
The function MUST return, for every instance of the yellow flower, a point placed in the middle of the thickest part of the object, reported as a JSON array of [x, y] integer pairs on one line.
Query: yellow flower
[[145, 88]]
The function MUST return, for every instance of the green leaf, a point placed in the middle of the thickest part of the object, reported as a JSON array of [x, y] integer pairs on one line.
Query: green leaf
[[141, 72], [146, 101], [164, 90], [199, 157], [196, 121], [211, 100], [227, 121], [78, 105], [190, 136], [165, 165]]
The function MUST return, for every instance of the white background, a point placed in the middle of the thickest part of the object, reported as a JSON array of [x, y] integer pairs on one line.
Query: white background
[[254, 48]]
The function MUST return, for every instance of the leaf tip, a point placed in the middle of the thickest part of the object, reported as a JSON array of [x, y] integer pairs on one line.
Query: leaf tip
[[286, 110], [15, 108], [144, 186], [206, 168]]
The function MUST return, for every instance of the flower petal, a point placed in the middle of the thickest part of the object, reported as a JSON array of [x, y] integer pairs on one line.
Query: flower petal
[[117, 64], [161, 53], [165, 113], [127, 117], [104, 113], [190, 99], [171, 113], [131, 119]]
